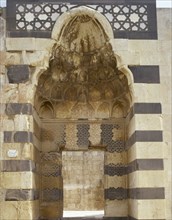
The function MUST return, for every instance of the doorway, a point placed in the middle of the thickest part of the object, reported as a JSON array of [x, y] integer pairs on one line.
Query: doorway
[[83, 183]]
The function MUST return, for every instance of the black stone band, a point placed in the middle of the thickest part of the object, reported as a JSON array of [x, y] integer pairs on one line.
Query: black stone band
[[18, 137], [146, 193], [147, 108], [145, 74], [144, 108], [54, 194], [21, 195], [18, 166], [19, 108], [18, 73], [138, 164], [134, 193], [145, 164], [144, 136]]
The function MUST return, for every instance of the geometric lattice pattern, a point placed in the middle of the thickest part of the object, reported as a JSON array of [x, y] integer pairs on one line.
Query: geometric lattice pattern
[[107, 138], [42, 17], [115, 146], [37, 18], [115, 169], [52, 194], [116, 193], [83, 135]]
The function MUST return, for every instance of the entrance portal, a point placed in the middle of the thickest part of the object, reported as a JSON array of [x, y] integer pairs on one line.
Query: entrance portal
[[83, 180], [83, 99]]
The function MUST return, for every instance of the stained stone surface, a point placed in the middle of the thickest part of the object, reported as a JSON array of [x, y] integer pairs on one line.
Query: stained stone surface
[[83, 176], [76, 81]]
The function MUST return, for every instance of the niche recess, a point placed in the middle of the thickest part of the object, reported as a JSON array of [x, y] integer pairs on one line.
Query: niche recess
[[83, 99]]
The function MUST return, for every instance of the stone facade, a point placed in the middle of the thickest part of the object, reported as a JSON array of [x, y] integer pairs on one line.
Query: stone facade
[[65, 128]]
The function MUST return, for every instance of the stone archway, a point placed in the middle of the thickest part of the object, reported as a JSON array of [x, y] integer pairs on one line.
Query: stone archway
[[83, 99]]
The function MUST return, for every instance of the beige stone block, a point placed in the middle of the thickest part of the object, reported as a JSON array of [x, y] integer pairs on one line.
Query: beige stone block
[[25, 151], [129, 58], [165, 73], [164, 45], [119, 44], [149, 58], [15, 210], [38, 58], [19, 44], [148, 178], [1, 137], [44, 44], [147, 209], [147, 93], [115, 158], [7, 124], [166, 108], [26, 93], [146, 150], [23, 123], [164, 23], [116, 208], [143, 45], [167, 136], [148, 122], [2, 58], [115, 181], [2, 72], [9, 94], [167, 118], [51, 209], [13, 58], [168, 203], [167, 150], [151, 209], [132, 208], [166, 93], [19, 180]]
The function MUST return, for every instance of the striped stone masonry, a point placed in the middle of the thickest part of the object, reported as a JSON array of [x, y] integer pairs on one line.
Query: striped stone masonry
[[136, 178]]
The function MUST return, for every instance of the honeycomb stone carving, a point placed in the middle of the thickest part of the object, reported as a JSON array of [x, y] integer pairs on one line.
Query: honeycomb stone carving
[[83, 73], [83, 135], [71, 136], [116, 193], [115, 146], [115, 169], [52, 194]]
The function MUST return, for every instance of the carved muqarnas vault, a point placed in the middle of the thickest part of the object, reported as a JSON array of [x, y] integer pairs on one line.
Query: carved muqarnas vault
[[84, 79]]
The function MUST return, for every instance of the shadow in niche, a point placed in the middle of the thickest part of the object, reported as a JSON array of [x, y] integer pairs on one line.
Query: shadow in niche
[[85, 80]]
